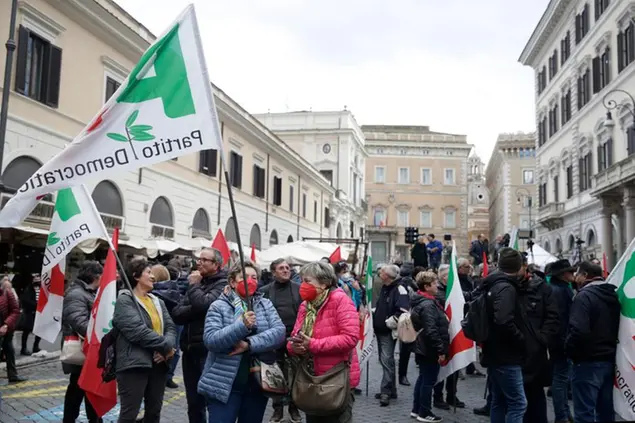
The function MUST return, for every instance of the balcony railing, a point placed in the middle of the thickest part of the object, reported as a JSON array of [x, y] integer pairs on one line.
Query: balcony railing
[[41, 214], [614, 176], [160, 231], [200, 233], [550, 215]]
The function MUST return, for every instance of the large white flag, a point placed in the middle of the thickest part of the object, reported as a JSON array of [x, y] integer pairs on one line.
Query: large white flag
[[462, 350], [76, 219], [165, 109], [622, 277]]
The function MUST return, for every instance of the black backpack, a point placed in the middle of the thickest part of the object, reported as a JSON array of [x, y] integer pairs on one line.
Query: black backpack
[[476, 322], [107, 356]]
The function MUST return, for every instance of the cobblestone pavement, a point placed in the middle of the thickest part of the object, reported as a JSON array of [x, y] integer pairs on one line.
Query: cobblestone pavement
[[41, 399]]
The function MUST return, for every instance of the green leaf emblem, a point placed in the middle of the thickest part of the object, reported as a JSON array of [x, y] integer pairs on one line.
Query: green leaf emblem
[[52, 239], [132, 118], [117, 137]]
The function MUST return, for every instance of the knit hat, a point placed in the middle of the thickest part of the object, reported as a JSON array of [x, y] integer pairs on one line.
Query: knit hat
[[509, 260]]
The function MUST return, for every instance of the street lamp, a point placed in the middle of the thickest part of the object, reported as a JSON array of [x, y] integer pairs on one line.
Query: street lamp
[[611, 104], [520, 194], [6, 87]]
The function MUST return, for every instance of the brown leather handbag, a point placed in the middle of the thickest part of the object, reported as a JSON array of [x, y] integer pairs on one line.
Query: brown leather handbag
[[323, 395]]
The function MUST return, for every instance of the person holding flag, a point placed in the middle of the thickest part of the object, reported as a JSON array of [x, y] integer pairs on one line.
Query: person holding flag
[[146, 337]]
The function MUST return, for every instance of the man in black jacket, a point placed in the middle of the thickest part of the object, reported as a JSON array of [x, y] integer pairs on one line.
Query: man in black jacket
[[541, 311], [504, 349], [560, 274], [285, 297], [419, 252], [393, 299], [206, 285], [591, 344]]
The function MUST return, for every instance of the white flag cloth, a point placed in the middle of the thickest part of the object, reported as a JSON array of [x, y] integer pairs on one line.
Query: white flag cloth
[[462, 350], [622, 277], [165, 109], [75, 219]]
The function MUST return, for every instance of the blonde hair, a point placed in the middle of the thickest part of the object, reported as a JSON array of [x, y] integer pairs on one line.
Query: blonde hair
[[427, 278], [160, 273]]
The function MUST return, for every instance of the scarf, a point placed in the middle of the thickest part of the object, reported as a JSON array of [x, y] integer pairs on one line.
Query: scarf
[[312, 308], [240, 307]]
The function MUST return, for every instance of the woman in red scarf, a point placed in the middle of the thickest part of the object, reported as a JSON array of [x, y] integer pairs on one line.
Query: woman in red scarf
[[431, 346]]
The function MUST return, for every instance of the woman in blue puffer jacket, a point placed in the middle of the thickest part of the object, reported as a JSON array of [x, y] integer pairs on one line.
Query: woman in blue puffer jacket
[[234, 337]]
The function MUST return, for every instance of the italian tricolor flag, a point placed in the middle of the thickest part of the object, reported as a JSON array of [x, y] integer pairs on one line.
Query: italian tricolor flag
[[462, 350]]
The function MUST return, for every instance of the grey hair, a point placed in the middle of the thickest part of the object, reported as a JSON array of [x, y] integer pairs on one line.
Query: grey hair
[[391, 270], [444, 270], [321, 272], [218, 257], [462, 262]]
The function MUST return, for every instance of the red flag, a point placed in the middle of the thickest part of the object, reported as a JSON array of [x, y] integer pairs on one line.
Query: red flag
[[253, 253], [485, 265], [336, 256], [102, 396], [605, 266], [220, 244]]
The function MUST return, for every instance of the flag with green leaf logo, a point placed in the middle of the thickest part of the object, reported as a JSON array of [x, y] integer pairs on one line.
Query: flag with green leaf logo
[[366, 333], [75, 219], [462, 350], [513, 239], [622, 277], [165, 109]]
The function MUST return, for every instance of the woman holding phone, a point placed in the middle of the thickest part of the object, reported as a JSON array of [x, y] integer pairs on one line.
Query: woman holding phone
[[326, 330], [233, 336]]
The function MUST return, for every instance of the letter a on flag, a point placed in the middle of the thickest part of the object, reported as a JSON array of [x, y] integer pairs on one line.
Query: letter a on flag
[[75, 220], [102, 395], [462, 350], [165, 109]]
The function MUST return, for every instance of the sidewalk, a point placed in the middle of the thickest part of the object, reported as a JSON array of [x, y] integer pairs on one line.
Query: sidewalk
[[52, 352]]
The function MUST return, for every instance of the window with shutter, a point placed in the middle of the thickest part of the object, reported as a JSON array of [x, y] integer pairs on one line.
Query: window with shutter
[[596, 75], [555, 189], [327, 218], [620, 51], [207, 162], [111, 88], [315, 209], [38, 68], [601, 158], [608, 152], [304, 206], [277, 191], [236, 169], [259, 182], [291, 198], [569, 181], [630, 140]]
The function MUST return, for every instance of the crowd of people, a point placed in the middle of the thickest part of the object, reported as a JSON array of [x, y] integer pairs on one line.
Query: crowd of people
[[554, 327]]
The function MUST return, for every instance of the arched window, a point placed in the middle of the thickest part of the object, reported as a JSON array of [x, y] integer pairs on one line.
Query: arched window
[[547, 247], [273, 238], [162, 219], [254, 237], [200, 224], [289, 239], [590, 238], [571, 242], [338, 231], [558, 245], [19, 171], [109, 204], [230, 231]]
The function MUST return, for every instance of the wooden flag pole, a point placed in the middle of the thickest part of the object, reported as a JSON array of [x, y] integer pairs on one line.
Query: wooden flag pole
[[230, 195]]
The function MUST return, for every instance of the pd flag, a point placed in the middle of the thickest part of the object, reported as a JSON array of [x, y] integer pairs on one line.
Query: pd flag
[[102, 396], [366, 333], [165, 109], [462, 350], [513, 239], [623, 276], [75, 220]]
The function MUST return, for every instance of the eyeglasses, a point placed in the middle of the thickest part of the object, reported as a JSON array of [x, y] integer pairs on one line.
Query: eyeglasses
[[203, 259]]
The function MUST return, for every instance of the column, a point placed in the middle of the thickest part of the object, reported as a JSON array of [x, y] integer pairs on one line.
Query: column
[[392, 251], [622, 243], [629, 213], [606, 235]]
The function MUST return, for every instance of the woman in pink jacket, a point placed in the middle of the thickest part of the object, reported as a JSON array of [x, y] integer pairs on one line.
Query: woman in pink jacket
[[327, 329]]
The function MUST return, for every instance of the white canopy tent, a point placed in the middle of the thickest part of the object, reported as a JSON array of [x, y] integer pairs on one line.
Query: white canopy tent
[[299, 252], [540, 257]]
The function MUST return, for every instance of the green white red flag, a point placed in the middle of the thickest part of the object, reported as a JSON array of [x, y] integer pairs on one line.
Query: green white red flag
[[513, 239], [622, 276], [165, 109], [75, 219], [366, 334], [102, 395], [462, 350]]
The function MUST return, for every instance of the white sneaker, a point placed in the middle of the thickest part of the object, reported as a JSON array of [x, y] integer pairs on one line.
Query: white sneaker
[[414, 415], [430, 419]]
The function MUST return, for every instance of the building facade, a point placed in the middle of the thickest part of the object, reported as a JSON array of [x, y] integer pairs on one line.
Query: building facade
[[334, 143], [581, 52], [415, 177], [84, 52], [510, 176], [477, 199]]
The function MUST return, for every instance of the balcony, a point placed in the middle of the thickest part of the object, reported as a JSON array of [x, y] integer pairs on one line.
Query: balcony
[[40, 216], [550, 215], [614, 176], [382, 229]]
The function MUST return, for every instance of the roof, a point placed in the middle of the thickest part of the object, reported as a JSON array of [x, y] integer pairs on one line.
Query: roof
[[403, 129], [549, 20]]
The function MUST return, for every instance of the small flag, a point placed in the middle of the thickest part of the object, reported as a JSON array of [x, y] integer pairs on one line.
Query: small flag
[[513, 239], [102, 395], [336, 256], [462, 350], [253, 253], [220, 244], [165, 109], [366, 333], [485, 265], [75, 219]]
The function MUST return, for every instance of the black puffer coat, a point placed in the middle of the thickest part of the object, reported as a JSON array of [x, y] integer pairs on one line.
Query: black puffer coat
[[429, 318], [78, 303]]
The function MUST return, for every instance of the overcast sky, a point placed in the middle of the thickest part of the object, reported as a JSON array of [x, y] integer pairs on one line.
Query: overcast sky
[[451, 65]]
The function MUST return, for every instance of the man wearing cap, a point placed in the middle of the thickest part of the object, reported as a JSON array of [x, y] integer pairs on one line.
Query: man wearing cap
[[504, 349], [560, 275], [591, 344]]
